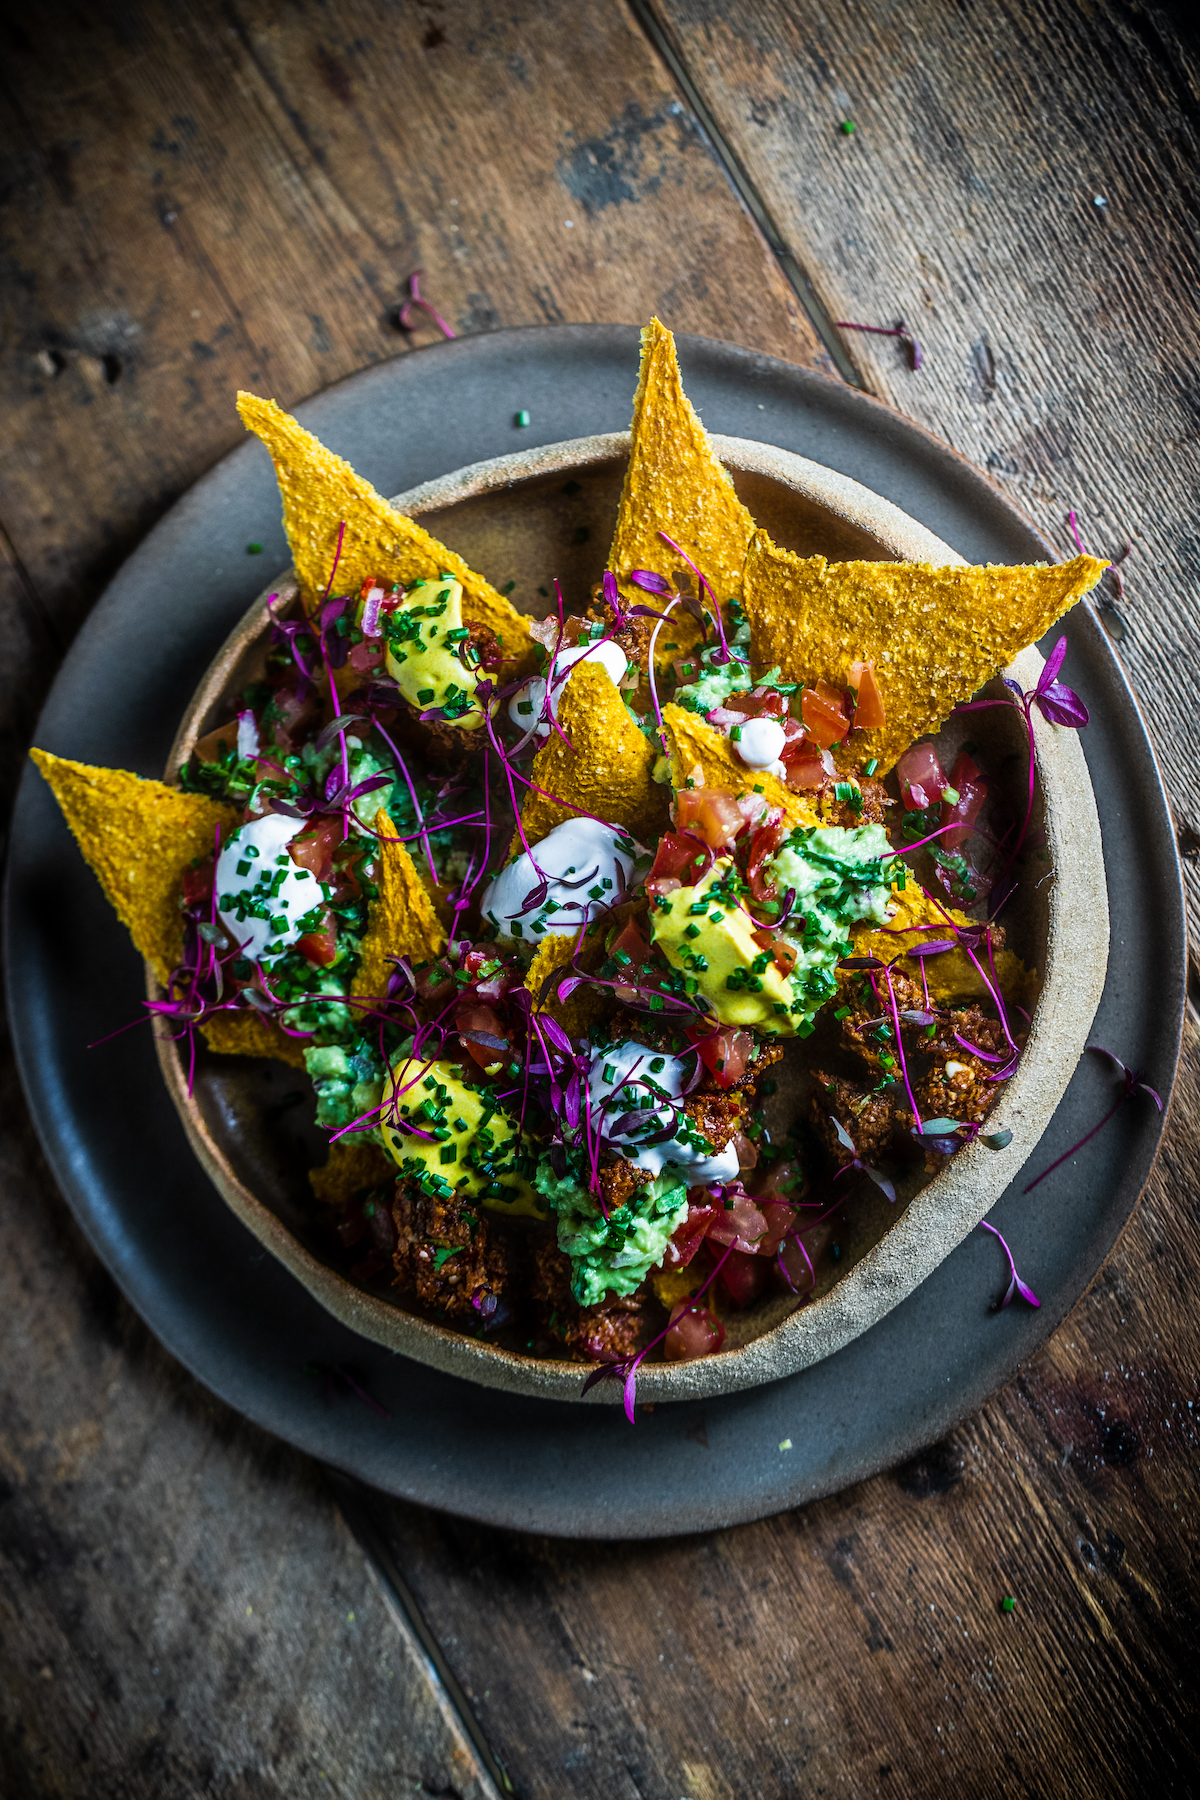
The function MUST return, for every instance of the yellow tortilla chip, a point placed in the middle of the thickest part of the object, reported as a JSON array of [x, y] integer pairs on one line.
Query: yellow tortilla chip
[[249, 1034], [607, 770], [320, 492], [581, 1010], [402, 921], [138, 836], [674, 483], [693, 744], [935, 635], [951, 974], [352, 1165]]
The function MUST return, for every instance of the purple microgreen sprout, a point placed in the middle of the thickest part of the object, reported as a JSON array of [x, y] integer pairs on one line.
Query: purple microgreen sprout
[[1016, 1285], [1133, 1083], [898, 330], [334, 1372], [712, 598], [876, 1175], [1058, 704], [625, 1368], [899, 1041], [404, 312]]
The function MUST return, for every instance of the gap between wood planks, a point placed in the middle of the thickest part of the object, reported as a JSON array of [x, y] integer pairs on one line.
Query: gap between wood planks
[[353, 1500], [746, 191]]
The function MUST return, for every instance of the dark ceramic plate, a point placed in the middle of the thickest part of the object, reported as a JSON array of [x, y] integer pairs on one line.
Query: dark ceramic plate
[[232, 1314]]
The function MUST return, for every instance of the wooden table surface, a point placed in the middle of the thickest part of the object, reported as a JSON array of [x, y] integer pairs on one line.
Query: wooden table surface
[[216, 193]]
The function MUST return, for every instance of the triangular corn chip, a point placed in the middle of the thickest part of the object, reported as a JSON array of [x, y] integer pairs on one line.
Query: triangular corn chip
[[249, 1034], [139, 837], [674, 483], [352, 1165], [582, 1008], [693, 745], [321, 492], [951, 974], [402, 921], [935, 636], [606, 771]]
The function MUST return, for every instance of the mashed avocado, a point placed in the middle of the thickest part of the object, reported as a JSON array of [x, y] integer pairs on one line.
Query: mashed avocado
[[614, 1255], [840, 876], [348, 1079], [473, 1145], [716, 681], [424, 638]]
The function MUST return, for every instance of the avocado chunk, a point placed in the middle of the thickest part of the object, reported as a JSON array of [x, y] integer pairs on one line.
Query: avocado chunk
[[472, 1146], [711, 939]]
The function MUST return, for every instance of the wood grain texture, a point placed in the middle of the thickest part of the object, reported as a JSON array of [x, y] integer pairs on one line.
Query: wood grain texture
[[1022, 186], [858, 1647], [201, 197], [182, 1611]]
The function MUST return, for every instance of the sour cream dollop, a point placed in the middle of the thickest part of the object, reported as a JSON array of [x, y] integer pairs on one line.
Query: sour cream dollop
[[586, 866], [261, 894], [525, 707], [632, 1078], [761, 743]]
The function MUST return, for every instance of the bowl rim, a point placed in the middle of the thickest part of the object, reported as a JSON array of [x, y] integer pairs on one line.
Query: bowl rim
[[942, 1213]]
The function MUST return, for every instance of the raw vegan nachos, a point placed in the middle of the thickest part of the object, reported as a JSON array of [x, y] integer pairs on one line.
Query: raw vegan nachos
[[630, 950]]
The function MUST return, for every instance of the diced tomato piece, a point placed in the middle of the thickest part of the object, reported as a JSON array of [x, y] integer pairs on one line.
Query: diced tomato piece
[[434, 981], [784, 954], [799, 1275], [630, 942], [747, 1150], [367, 657], [725, 1054], [198, 883], [763, 845], [920, 776], [745, 1277], [739, 1222], [771, 705], [680, 862], [693, 1331], [295, 719], [806, 763], [962, 813], [688, 1237], [711, 813], [476, 1017], [631, 950], [868, 711], [319, 947], [215, 743], [780, 1220], [782, 1182], [824, 711], [313, 848]]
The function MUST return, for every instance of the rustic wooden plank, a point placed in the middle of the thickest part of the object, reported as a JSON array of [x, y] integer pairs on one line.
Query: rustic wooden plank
[[182, 1610], [858, 1646], [204, 197], [1065, 1490], [1021, 187]]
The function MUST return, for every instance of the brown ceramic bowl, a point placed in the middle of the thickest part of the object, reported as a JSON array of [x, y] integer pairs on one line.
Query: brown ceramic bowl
[[524, 518]]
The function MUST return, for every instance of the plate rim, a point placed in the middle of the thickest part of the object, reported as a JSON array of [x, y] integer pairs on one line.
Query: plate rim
[[266, 1395]]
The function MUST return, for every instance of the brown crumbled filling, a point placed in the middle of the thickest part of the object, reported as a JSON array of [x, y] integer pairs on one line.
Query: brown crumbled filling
[[615, 1328], [476, 1267]]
